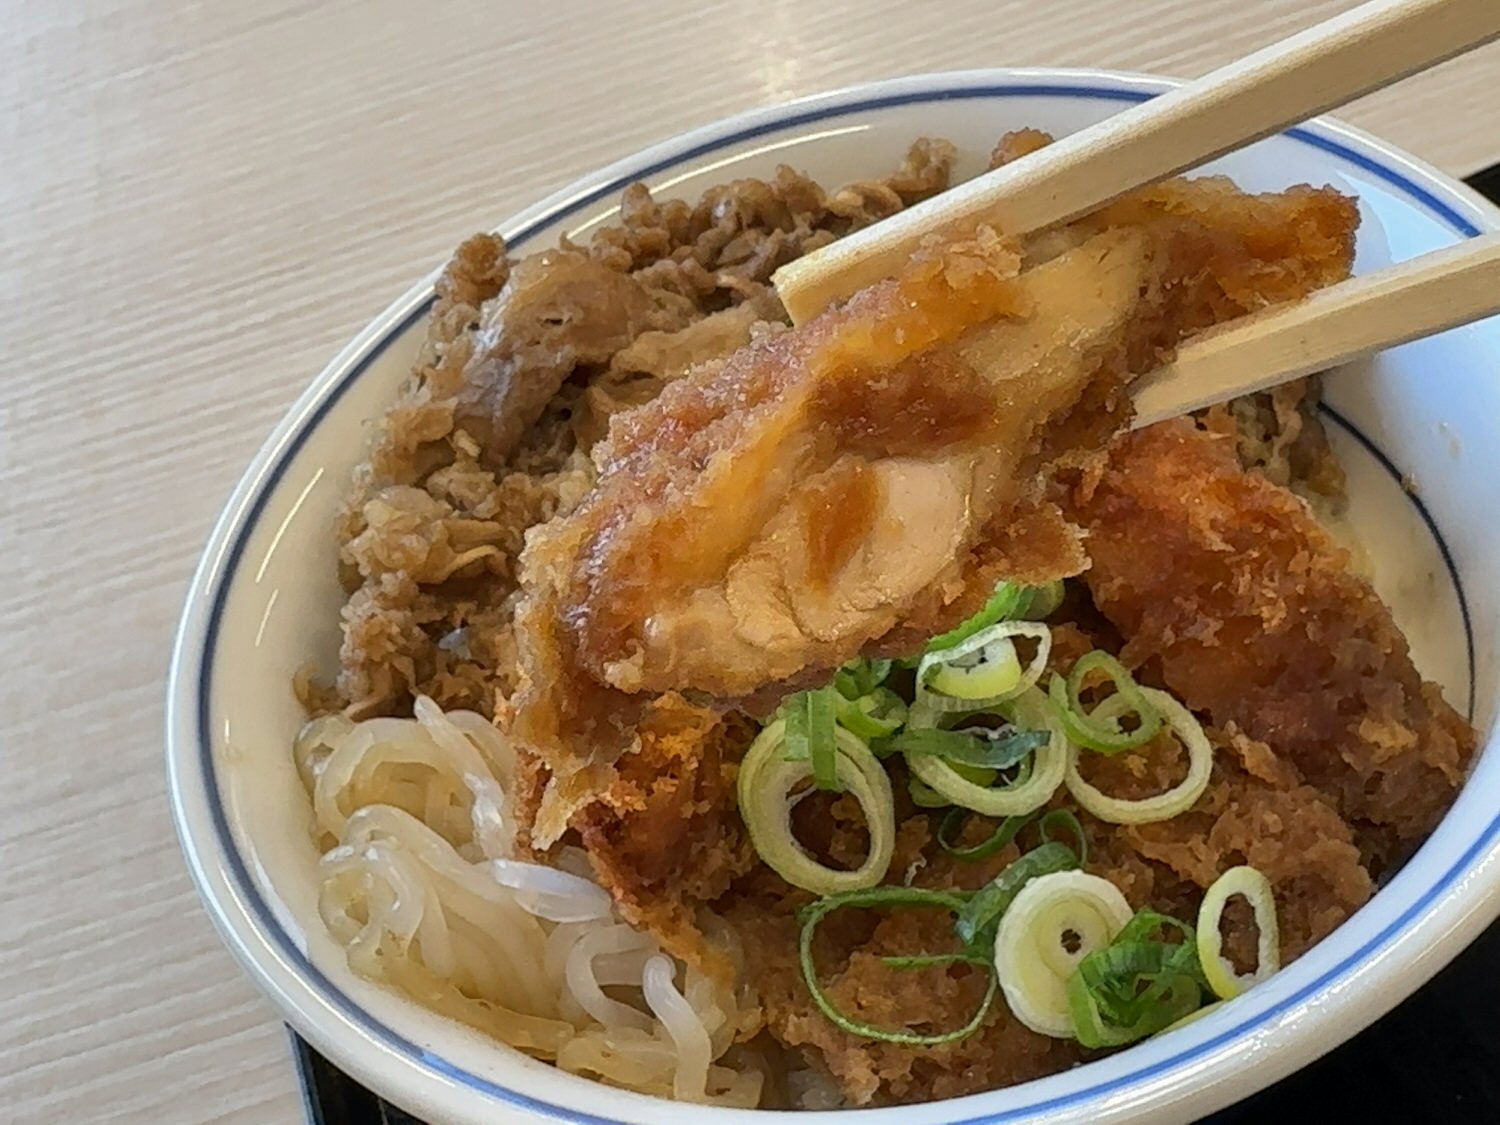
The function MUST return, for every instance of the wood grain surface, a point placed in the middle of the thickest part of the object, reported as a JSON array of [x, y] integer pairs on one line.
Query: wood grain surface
[[199, 202]]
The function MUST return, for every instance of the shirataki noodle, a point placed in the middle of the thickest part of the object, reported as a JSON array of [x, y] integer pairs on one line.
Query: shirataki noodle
[[419, 883]]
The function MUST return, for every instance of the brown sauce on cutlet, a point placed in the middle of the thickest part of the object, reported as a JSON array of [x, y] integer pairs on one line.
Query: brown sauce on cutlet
[[892, 391], [837, 513], [927, 402]]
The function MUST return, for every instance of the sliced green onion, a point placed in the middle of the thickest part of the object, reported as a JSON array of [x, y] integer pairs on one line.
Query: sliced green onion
[[1161, 806], [1032, 961], [1006, 831], [875, 715], [933, 960], [1071, 823], [766, 785], [860, 677], [992, 749], [810, 718], [925, 796], [1028, 792], [980, 917], [994, 677], [952, 824], [1099, 729], [1217, 970], [1007, 601], [1194, 1017], [878, 898], [1137, 985], [983, 669], [1044, 601]]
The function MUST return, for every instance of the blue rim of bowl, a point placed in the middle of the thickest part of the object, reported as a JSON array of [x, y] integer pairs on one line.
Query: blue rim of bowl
[[440, 1067]]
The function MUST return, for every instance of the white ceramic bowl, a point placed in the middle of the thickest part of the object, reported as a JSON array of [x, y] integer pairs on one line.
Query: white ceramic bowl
[[265, 600]]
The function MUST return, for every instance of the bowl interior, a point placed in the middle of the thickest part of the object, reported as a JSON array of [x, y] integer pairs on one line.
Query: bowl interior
[[1411, 426]]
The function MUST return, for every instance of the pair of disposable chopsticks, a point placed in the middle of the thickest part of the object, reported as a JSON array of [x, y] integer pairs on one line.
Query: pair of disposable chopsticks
[[1365, 49]]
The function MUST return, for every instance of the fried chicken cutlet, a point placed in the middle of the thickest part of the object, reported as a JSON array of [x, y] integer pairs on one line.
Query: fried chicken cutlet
[[1242, 605], [859, 483]]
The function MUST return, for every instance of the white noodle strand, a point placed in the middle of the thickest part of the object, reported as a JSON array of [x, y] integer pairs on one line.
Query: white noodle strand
[[585, 986], [690, 1082], [423, 888]]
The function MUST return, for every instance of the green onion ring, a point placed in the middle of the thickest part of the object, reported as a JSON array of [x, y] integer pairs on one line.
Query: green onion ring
[[925, 796], [1031, 961], [1044, 601], [1256, 888], [998, 750], [1008, 600], [1099, 730], [765, 785], [994, 675], [875, 715], [1105, 999], [810, 718], [1161, 806], [1049, 763], [875, 898], [860, 677], [982, 914], [1176, 996], [968, 684], [953, 822], [1072, 825]]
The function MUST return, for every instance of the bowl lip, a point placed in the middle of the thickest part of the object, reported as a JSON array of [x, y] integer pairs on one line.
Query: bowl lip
[[273, 957]]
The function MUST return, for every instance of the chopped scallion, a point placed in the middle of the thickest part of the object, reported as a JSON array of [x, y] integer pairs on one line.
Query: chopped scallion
[[1008, 601], [877, 898], [1137, 985], [925, 796], [860, 677], [990, 749], [1220, 974], [982, 670], [768, 786], [1053, 923], [1069, 822], [1044, 601], [1099, 728], [1039, 777], [876, 714], [1161, 806], [952, 824], [981, 915], [810, 718]]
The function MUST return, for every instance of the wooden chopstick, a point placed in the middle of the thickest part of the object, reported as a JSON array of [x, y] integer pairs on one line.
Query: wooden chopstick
[[1429, 294], [1366, 48]]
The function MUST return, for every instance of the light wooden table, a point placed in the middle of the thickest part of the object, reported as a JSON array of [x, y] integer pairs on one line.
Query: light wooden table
[[199, 202]]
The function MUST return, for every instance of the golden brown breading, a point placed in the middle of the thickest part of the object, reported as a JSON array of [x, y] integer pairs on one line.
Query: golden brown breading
[[1241, 604], [667, 837]]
